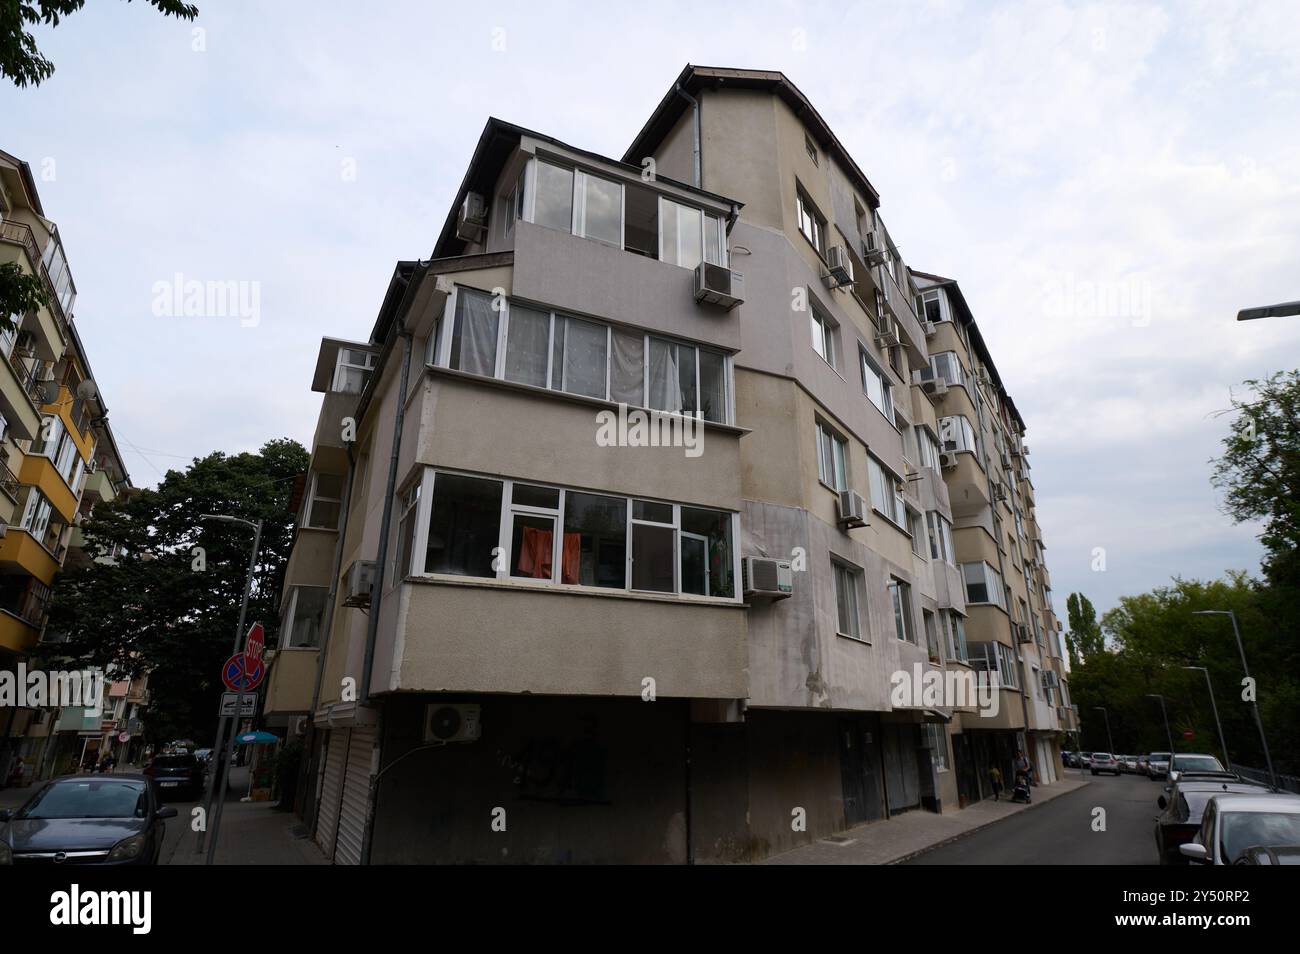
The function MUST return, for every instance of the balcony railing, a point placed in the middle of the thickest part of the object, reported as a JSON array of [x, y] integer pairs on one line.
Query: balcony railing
[[8, 479], [18, 233]]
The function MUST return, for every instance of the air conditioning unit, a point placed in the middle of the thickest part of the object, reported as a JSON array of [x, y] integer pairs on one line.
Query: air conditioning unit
[[1025, 450], [767, 578], [1052, 679], [472, 219], [839, 266], [444, 722], [1005, 460], [1022, 633], [873, 257], [360, 579], [852, 509], [930, 328], [999, 493], [888, 338], [719, 285], [948, 459]]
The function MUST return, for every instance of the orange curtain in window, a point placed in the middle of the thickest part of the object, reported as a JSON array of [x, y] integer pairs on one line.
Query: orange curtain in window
[[535, 554]]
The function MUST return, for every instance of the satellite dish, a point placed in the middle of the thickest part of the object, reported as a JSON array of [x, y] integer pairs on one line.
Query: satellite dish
[[87, 389]]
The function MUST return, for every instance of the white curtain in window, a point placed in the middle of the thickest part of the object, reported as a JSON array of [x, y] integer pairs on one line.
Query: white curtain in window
[[584, 357], [627, 369], [474, 347], [527, 341], [665, 383]]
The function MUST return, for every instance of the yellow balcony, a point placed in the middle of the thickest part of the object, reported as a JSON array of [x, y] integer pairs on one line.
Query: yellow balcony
[[16, 634], [63, 403], [291, 682], [39, 471], [20, 550]]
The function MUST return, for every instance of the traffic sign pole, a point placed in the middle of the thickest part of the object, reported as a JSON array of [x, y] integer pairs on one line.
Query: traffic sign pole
[[217, 794]]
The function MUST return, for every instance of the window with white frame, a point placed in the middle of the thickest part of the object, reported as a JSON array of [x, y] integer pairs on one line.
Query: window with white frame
[[936, 740], [406, 527], [955, 632], [956, 434], [1007, 667], [576, 538], [983, 585], [625, 215], [832, 454], [36, 514], [877, 386], [812, 224], [900, 597], [352, 369], [324, 502], [824, 334], [304, 616], [947, 367], [545, 348], [886, 492], [916, 528], [931, 628], [930, 306], [847, 583], [940, 533], [927, 446]]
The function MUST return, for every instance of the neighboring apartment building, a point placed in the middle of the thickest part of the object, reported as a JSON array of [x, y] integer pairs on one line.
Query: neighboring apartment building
[[57, 455], [668, 653]]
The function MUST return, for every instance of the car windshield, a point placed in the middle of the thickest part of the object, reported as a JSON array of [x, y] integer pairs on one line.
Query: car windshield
[[91, 798], [1101, 756], [1197, 763], [1158, 757], [173, 761], [1242, 830]]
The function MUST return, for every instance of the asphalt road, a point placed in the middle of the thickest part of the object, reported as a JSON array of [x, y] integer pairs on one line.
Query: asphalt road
[[1060, 832]]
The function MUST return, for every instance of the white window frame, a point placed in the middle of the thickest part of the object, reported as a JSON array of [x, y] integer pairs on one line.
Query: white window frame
[[828, 438], [805, 208], [845, 575], [822, 329], [505, 529], [869, 367], [313, 497], [340, 366]]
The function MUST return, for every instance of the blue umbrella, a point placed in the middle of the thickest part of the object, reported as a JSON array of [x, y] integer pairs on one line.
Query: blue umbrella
[[256, 738]]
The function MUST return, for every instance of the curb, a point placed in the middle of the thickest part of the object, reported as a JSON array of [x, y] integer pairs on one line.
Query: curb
[[988, 824]]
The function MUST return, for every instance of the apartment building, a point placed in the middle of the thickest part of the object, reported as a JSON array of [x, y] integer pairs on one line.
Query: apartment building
[[514, 632], [57, 455]]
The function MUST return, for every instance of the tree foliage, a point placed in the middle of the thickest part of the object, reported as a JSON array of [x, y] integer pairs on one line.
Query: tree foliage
[[166, 608], [1153, 636], [19, 294], [1085, 638], [21, 61]]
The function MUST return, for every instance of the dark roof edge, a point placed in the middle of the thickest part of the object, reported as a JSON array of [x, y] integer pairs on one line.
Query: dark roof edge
[[25, 171], [977, 338], [693, 78]]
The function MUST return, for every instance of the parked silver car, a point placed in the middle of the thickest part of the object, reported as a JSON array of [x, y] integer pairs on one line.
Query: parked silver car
[[1235, 824], [1157, 765], [1104, 762]]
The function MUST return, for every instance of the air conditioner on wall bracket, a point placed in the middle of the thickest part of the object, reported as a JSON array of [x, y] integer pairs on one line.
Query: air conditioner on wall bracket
[[765, 578], [718, 285]]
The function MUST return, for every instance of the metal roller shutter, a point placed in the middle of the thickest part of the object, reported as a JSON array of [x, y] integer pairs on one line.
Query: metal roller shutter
[[327, 817], [356, 796]]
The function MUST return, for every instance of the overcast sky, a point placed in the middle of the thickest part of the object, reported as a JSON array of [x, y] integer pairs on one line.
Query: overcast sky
[[1109, 183]]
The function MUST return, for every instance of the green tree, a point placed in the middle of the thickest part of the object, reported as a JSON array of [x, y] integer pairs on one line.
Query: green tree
[[168, 602], [19, 294], [1085, 638], [21, 61]]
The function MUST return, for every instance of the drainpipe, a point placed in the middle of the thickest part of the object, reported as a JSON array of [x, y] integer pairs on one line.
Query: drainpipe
[[695, 154], [390, 490]]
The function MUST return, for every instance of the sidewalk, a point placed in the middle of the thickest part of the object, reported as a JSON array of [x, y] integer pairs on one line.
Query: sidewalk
[[252, 833], [914, 832]]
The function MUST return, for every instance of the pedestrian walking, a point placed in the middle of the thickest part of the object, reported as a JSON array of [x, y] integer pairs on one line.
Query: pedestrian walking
[[995, 779]]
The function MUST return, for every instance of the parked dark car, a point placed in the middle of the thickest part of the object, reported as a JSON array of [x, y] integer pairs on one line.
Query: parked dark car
[[1182, 809], [177, 775], [87, 820]]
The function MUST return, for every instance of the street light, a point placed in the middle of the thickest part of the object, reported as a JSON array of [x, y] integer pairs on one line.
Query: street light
[[1222, 743], [1285, 310], [1163, 711], [1254, 706], [1109, 740], [212, 814]]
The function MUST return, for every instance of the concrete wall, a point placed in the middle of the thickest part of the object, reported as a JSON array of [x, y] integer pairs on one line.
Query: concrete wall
[[585, 781]]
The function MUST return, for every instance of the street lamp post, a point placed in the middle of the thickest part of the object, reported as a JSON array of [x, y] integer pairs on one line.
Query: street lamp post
[[1254, 706], [1165, 712], [1286, 309], [1223, 744], [217, 790], [1109, 741]]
